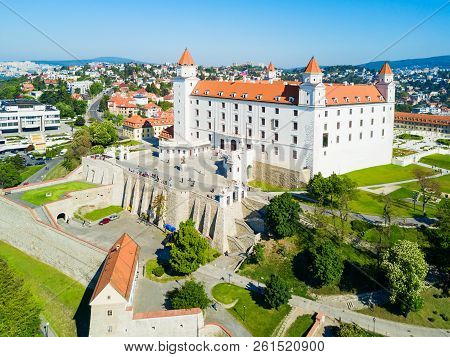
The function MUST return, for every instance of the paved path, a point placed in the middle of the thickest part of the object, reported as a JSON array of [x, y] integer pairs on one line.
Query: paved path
[[384, 327], [46, 329], [38, 176]]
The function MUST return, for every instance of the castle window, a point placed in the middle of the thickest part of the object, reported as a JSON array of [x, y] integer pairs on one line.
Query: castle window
[[196, 101], [360, 136], [236, 117], [325, 140], [209, 125], [337, 139], [384, 120], [350, 124], [263, 121], [223, 128], [244, 95], [326, 113], [294, 154], [236, 130], [109, 328], [276, 137], [209, 113], [250, 108], [235, 106], [263, 134], [384, 109], [350, 111], [369, 99], [338, 112], [362, 110], [220, 93], [223, 105], [233, 95], [291, 99], [295, 125], [249, 132], [371, 133], [338, 125], [206, 92], [197, 134], [110, 312], [209, 102], [382, 132], [349, 137], [197, 112], [249, 120], [295, 113], [294, 140], [263, 148], [371, 121], [346, 100], [263, 109], [358, 99], [275, 150], [373, 109], [361, 123], [198, 123], [259, 96], [277, 111], [325, 126], [223, 115]]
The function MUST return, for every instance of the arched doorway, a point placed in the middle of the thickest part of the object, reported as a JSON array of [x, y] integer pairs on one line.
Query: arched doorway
[[61, 216], [249, 172], [233, 145]]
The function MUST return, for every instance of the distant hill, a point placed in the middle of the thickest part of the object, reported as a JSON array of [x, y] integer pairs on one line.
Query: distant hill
[[112, 60], [438, 61]]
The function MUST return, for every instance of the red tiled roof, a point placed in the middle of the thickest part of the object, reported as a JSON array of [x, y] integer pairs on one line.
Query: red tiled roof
[[167, 133], [166, 313], [265, 91], [186, 59], [119, 267], [270, 67], [386, 69], [313, 67], [422, 118]]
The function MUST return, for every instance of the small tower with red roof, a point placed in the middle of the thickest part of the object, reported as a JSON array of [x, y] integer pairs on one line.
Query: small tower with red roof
[[271, 73], [186, 65], [312, 90], [385, 83]]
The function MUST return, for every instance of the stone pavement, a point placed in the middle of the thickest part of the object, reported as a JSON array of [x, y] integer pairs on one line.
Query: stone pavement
[[383, 327]]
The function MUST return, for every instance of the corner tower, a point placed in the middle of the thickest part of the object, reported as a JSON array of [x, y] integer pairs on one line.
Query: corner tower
[[271, 73], [183, 85], [385, 83], [312, 90]]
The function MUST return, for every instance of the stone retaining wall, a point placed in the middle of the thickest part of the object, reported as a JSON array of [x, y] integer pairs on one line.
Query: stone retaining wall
[[279, 176]]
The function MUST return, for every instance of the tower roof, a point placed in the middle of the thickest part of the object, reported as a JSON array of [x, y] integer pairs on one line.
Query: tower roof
[[386, 69], [312, 66], [186, 59], [270, 67]]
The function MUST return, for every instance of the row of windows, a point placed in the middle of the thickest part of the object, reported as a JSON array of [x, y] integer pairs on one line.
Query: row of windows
[[350, 111], [249, 107], [350, 123], [325, 137]]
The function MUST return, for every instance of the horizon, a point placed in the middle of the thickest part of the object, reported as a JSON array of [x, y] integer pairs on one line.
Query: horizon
[[205, 30]]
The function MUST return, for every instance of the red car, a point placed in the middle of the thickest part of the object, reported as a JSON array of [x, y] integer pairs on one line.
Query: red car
[[104, 221]]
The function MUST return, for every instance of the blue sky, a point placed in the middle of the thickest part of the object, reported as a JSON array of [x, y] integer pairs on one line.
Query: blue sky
[[222, 32]]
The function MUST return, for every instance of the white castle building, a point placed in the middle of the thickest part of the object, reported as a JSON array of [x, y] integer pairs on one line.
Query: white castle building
[[283, 132]]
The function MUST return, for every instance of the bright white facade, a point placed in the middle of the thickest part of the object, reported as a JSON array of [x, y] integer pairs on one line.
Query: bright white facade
[[306, 127], [21, 115], [83, 86]]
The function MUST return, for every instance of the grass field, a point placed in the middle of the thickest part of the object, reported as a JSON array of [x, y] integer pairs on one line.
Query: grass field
[[29, 171], [56, 172], [250, 310], [102, 212], [429, 315], [38, 196], [58, 295], [439, 160], [444, 183], [167, 276], [300, 327], [385, 174]]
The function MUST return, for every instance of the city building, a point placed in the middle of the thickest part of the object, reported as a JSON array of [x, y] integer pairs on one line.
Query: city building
[[423, 122], [138, 128], [112, 303], [81, 87], [23, 115], [283, 132]]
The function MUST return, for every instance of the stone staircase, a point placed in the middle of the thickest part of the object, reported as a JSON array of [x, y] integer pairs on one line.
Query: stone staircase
[[288, 320]]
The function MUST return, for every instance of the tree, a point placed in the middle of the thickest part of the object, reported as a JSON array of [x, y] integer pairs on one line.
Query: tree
[[159, 206], [282, 215], [352, 330], [103, 105], [257, 255], [326, 263], [65, 110], [79, 121], [192, 294], [429, 188], [79, 107], [81, 143], [387, 214], [188, 250], [165, 106], [319, 188], [95, 88], [9, 175], [277, 292], [103, 133], [19, 311], [343, 191], [405, 268], [97, 149]]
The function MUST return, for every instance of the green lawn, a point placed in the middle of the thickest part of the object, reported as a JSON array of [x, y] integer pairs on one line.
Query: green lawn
[[429, 315], [370, 203], [29, 171], [130, 142], [250, 309], [267, 187], [300, 327], [58, 295], [38, 196], [397, 233], [102, 212], [385, 174], [439, 160], [56, 172], [444, 183]]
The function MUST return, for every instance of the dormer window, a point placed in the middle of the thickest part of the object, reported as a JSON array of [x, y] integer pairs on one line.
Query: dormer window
[[259, 97], [326, 101], [368, 98], [196, 91], [346, 99], [220, 93], [206, 92], [277, 98], [233, 94], [291, 99], [380, 97], [358, 99], [335, 100], [244, 95]]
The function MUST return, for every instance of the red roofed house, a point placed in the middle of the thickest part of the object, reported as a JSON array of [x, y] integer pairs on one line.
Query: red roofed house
[[113, 311], [283, 132], [423, 122]]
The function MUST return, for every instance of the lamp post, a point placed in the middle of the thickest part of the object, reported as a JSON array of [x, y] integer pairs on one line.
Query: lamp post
[[229, 278], [374, 319], [245, 310]]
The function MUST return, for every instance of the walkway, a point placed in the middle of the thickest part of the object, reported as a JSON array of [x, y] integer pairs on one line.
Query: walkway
[[383, 327]]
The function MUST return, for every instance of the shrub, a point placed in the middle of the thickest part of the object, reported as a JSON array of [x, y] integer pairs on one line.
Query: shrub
[[352, 330], [444, 317], [277, 292], [361, 226], [326, 263], [97, 150], [158, 271], [191, 294]]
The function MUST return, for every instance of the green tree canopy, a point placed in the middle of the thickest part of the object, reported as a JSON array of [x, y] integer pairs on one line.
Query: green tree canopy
[[79, 107], [191, 294], [188, 250], [277, 291], [66, 111], [103, 133], [282, 215], [9, 175], [405, 268], [19, 312], [79, 121], [326, 263], [95, 88]]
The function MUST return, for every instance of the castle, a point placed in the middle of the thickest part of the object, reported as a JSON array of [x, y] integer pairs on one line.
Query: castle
[[283, 132]]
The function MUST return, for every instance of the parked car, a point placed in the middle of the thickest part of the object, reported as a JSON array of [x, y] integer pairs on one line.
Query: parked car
[[104, 221], [113, 217]]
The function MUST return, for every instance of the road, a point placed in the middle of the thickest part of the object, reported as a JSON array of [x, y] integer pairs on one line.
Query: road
[[92, 111], [381, 326], [38, 176]]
